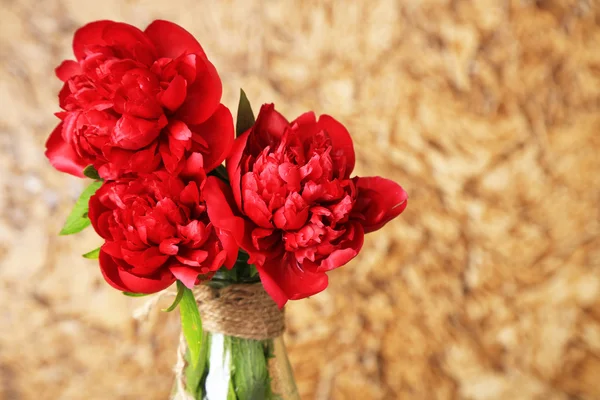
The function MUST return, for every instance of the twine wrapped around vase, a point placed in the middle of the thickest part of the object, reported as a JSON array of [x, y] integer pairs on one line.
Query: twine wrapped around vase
[[240, 310]]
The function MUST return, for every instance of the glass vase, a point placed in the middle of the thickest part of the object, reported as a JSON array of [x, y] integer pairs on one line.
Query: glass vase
[[233, 368], [242, 354]]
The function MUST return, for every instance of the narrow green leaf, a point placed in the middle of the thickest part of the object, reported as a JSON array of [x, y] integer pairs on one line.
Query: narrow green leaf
[[245, 116], [130, 294], [78, 219], [191, 324], [91, 172], [194, 377], [180, 287], [92, 255]]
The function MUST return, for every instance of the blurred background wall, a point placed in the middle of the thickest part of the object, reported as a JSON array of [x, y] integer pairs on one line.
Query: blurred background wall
[[487, 287]]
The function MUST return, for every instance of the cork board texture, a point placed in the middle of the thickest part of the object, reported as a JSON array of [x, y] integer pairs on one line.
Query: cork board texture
[[486, 111]]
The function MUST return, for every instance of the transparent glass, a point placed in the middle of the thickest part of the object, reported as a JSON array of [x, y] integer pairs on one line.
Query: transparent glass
[[231, 368]]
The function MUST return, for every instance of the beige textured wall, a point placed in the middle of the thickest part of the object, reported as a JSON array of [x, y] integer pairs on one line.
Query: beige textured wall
[[488, 286]]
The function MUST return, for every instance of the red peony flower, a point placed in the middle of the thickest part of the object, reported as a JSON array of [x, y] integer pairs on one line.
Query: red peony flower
[[157, 230], [303, 214], [134, 101]]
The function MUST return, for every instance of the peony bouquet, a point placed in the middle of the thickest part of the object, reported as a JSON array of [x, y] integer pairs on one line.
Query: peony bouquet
[[141, 116]]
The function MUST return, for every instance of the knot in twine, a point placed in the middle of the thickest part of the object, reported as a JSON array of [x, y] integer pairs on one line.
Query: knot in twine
[[240, 310]]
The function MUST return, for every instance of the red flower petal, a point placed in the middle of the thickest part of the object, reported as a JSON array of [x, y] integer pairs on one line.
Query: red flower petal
[[190, 195], [184, 65], [172, 40], [234, 170], [230, 247], [308, 118], [219, 260], [341, 141], [379, 200], [171, 161], [293, 214], [136, 284], [109, 270], [194, 231], [61, 154], [95, 213], [67, 69], [146, 160], [174, 96], [284, 281], [218, 134], [113, 249], [271, 123], [179, 131], [132, 133], [122, 280], [193, 258], [137, 95], [132, 39], [219, 206], [169, 246], [231, 229], [348, 249], [193, 168], [263, 239], [256, 209], [187, 275], [203, 96], [89, 35], [268, 129], [145, 262]]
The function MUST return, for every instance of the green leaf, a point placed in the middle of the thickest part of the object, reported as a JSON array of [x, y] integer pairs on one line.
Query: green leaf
[[130, 294], [245, 116], [195, 377], [78, 219], [92, 255], [91, 172], [180, 287], [191, 324]]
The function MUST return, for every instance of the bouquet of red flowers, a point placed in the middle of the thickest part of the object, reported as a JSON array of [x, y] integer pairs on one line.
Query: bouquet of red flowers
[[141, 116]]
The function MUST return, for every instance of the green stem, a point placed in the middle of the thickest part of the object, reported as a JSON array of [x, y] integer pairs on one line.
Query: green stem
[[250, 371]]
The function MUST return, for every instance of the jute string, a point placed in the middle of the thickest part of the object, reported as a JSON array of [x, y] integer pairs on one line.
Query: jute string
[[240, 310]]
